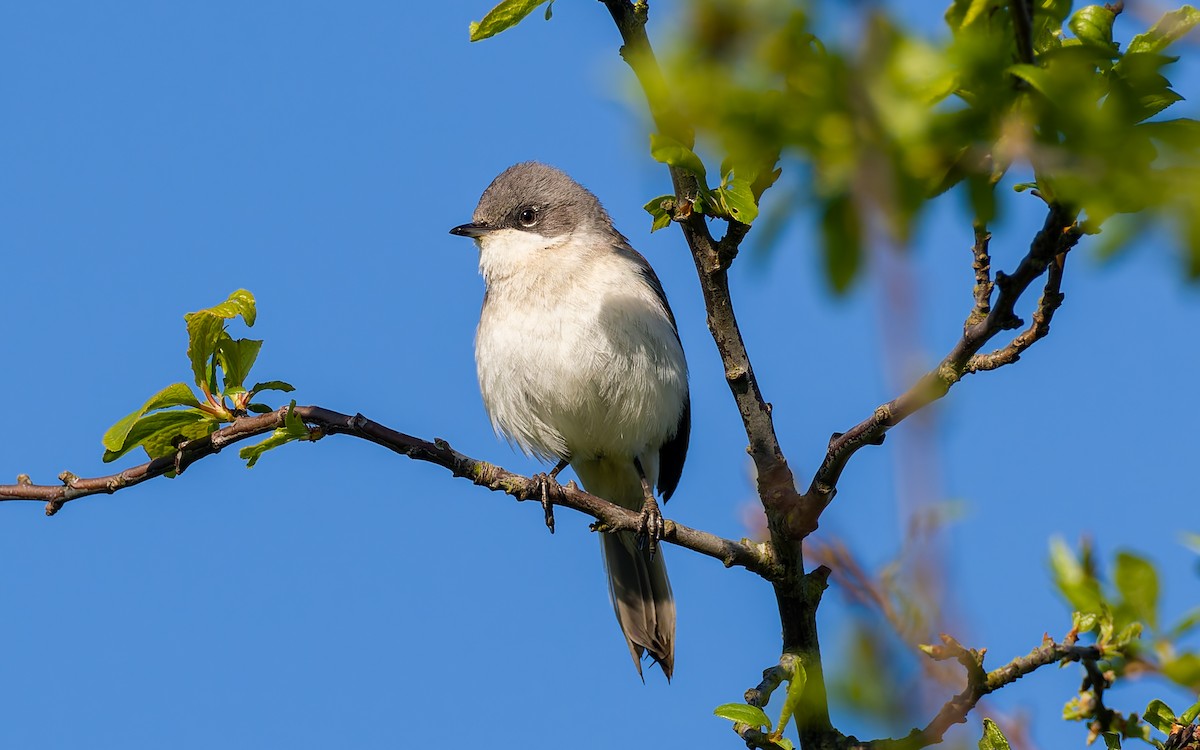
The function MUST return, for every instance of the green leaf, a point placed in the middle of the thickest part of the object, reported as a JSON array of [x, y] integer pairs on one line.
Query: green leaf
[[203, 333], [842, 244], [1084, 622], [272, 385], [764, 180], [240, 302], [1137, 582], [504, 16], [1037, 77], [293, 429], [795, 693], [1185, 624], [743, 713], [1112, 740], [1189, 716], [155, 432], [1077, 585], [670, 151], [1159, 715], [784, 743], [1170, 27], [176, 394], [963, 13], [1073, 711], [1184, 670], [236, 357], [982, 192], [993, 738], [259, 408], [1128, 634], [738, 199], [1093, 24], [660, 208], [162, 441], [1181, 133], [550, 10], [206, 326]]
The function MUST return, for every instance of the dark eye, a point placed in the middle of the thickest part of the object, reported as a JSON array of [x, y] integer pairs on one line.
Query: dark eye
[[528, 216]]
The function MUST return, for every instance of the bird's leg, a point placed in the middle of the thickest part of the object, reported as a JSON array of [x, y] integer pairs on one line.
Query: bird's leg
[[543, 482], [650, 525]]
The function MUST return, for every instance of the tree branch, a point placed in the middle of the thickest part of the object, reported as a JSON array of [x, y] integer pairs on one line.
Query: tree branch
[[775, 479], [1022, 17], [982, 264], [1058, 235], [796, 594], [979, 684], [1050, 301], [754, 557]]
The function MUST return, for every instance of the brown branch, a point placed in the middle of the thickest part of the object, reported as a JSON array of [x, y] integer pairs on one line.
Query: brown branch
[[1058, 235], [796, 594], [757, 738], [773, 677], [979, 684], [1022, 16], [775, 480], [753, 557], [982, 264], [1050, 301]]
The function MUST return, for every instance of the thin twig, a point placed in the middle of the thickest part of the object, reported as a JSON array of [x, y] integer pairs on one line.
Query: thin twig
[[753, 557], [982, 265], [979, 684], [1051, 300], [773, 677], [1058, 235]]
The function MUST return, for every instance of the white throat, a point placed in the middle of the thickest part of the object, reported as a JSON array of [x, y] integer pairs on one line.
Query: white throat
[[510, 256]]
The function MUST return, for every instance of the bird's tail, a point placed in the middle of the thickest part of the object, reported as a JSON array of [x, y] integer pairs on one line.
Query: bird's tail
[[638, 584], [641, 595]]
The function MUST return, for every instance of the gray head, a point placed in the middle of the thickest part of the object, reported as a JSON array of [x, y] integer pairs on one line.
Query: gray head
[[533, 197]]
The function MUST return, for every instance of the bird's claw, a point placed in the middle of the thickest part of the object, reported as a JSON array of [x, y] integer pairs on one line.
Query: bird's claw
[[650, 526], [543, 484]]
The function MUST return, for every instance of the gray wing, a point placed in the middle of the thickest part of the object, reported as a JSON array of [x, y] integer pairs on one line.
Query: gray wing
[[673, 452]]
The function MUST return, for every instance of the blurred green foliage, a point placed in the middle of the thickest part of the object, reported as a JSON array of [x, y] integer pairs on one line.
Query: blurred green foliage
[[882, 124]]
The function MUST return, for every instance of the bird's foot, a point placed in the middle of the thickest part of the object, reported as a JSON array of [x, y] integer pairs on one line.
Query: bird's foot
[[650, 526], [543, 485]]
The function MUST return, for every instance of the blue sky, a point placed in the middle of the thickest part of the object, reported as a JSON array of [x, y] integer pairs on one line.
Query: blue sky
[[153, 158]]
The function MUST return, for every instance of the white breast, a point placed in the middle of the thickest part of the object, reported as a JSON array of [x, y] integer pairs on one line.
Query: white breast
[[575, 353]]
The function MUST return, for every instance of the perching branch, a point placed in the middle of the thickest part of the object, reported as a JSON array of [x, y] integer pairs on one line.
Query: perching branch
[[754, 557], [1059, 234]]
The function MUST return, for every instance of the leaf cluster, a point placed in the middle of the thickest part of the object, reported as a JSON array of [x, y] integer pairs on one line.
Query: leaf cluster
[[220, 367], [1114, 610], [748, 715]]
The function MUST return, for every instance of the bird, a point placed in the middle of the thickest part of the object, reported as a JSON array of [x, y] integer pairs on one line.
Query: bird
[[580, 362]]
